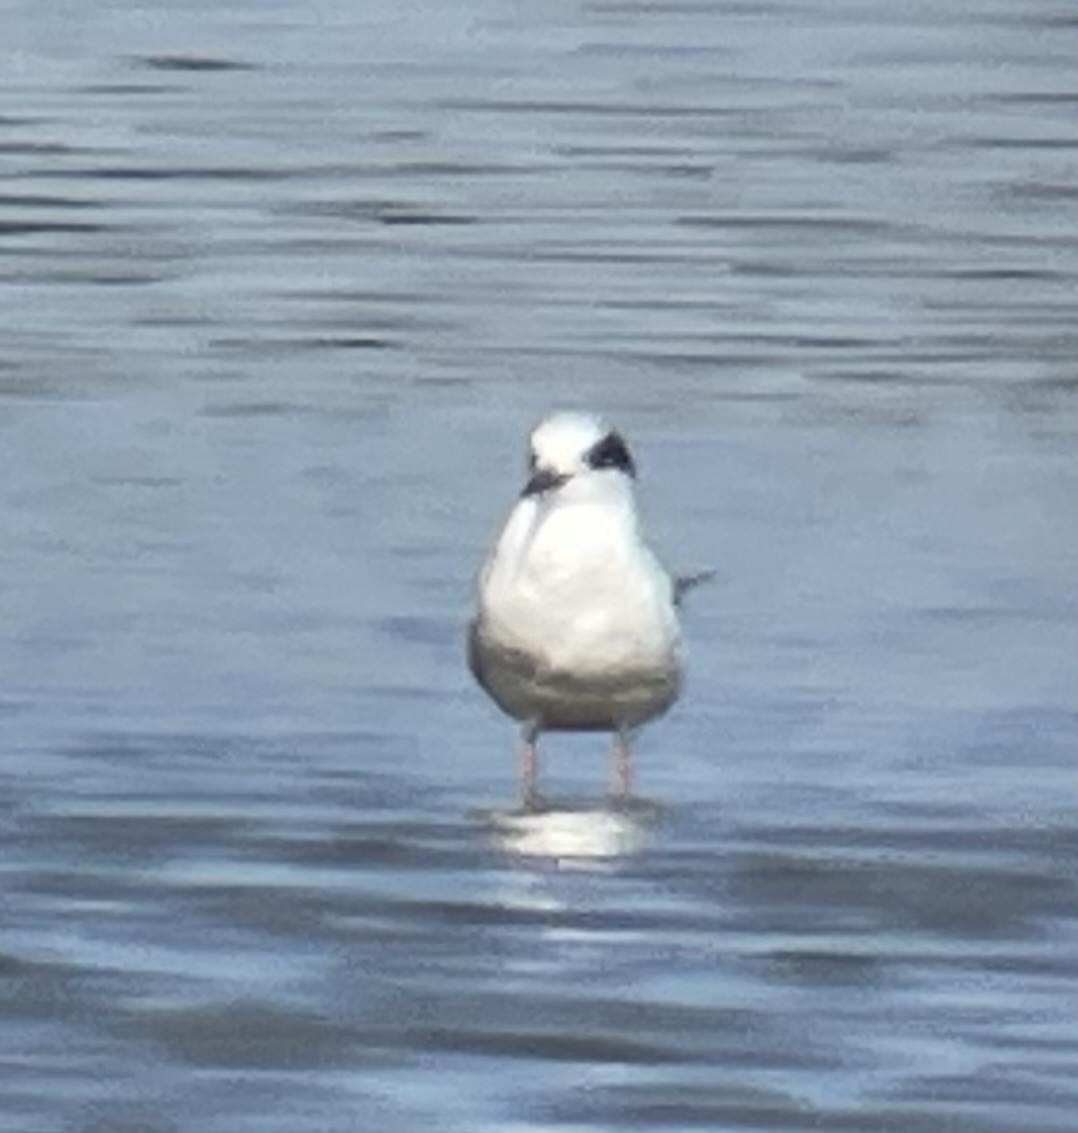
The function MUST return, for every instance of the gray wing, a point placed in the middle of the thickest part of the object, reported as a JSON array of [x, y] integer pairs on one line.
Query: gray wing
[[475, 661]]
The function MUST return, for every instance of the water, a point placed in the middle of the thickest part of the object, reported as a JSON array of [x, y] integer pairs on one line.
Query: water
[[281, 289]]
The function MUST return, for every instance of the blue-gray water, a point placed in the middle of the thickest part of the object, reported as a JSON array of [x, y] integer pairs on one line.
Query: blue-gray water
[[281, 290]]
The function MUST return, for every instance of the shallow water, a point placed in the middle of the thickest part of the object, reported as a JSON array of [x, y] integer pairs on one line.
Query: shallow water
[[280, 292]]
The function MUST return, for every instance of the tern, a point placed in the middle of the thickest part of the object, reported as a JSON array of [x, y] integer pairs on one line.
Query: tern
[[576, 626]]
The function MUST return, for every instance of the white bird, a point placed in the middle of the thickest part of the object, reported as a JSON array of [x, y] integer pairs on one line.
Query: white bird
[[576, 626]]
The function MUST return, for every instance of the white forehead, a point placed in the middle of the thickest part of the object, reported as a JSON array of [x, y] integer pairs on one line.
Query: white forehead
[[560, 440]]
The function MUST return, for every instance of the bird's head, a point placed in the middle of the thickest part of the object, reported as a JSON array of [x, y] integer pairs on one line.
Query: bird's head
[[566, 445]]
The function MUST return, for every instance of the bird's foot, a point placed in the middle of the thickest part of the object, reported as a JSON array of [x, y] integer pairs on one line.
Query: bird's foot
[[532, 802]]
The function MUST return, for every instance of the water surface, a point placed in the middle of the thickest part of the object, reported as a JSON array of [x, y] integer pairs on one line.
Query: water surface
[[281, 290]]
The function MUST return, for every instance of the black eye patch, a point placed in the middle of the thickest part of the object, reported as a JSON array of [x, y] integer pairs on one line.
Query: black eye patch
[[611, 452]]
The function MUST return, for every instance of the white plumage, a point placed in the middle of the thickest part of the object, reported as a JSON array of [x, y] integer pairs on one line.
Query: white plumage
[[576, 627]]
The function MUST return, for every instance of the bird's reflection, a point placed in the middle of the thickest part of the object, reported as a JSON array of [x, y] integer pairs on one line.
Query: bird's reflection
[[572, 833]]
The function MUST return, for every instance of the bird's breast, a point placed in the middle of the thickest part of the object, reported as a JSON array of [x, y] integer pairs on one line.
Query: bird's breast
[[582, 594]]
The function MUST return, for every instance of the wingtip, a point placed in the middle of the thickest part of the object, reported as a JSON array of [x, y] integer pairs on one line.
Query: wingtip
[[683, 583]]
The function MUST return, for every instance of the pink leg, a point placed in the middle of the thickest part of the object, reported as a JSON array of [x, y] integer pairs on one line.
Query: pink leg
[[529, 768], [623, 767]]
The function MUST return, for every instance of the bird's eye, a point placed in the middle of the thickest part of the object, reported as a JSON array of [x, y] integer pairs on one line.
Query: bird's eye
[[611, 452], [533, 461]]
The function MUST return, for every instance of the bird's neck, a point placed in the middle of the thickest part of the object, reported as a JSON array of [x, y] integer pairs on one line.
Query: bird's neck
[[611, 491], [600, 506]]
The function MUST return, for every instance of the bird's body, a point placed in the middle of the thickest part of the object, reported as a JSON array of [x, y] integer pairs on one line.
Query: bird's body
[[576, 627]]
